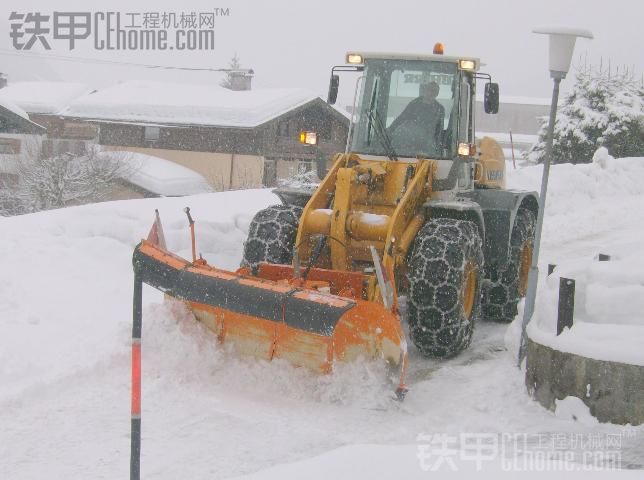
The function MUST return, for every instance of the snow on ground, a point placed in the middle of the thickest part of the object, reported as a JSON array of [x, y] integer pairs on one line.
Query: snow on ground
[[65, 325]]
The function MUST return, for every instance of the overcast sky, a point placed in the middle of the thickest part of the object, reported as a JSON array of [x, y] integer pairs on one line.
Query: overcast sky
[[294, 43]]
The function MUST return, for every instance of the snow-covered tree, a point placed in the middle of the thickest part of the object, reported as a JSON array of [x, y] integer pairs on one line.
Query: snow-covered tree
[[46, 182], [603, 109]]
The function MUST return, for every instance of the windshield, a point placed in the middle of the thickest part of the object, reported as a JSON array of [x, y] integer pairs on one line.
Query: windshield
[[407, 105]]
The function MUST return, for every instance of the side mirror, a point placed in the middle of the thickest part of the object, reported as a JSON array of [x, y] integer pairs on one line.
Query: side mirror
[[333, 89], [491, 98]]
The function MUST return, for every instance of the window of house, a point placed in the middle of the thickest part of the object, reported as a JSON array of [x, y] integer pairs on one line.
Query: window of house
[[282, 129], [304, 167], [152, 134]]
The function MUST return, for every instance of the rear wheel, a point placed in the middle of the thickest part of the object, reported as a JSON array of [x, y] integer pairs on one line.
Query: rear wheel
[[271, 236], [505, 287], [444, 275]]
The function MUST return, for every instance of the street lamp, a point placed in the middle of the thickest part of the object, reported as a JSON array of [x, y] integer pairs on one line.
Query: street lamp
[[562, 44]]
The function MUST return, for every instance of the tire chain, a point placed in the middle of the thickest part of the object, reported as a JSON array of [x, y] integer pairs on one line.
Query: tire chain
[[271, 235], [501, 290], [437, 321]]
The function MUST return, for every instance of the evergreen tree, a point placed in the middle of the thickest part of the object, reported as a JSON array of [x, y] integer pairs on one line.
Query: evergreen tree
[[603, 109], [233, 65]]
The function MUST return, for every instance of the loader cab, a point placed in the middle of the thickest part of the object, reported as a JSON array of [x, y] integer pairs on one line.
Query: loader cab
[[409, 107]]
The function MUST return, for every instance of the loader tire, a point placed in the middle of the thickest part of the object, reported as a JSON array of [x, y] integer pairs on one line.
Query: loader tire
[[503, 288], [444, 275], [271, 236]]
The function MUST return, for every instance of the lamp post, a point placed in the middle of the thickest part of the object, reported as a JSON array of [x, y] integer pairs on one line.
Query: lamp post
[[562, 44]]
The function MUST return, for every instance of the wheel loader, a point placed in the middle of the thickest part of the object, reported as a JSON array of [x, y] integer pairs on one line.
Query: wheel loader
[[415, 206]]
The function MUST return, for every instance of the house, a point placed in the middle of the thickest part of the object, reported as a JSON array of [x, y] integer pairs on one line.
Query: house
[[19, 138], [43, 101], [519, 115], [234, 139]]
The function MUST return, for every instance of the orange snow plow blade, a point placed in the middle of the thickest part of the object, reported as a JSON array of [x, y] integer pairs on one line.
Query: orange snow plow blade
[[271, 314]]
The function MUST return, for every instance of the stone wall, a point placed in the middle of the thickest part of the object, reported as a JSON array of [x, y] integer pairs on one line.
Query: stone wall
[[614, 392]]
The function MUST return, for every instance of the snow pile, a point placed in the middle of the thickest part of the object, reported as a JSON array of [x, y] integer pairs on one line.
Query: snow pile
[[602, 158], [160, 176], [591, 209], [573, 408], [193, 104], [43, 97], [66, 276], [584, 202]]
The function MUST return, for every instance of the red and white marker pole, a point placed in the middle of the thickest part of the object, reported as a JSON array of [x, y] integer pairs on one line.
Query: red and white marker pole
[[135, 438]]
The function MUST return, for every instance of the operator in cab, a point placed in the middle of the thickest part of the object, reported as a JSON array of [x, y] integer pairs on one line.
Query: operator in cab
[[420, 125]]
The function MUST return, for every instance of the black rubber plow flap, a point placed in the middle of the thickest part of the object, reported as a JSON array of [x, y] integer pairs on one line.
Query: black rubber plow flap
[[239, 294]]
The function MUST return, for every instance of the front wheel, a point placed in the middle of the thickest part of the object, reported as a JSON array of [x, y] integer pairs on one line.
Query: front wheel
[[444, 275], [271, 236]]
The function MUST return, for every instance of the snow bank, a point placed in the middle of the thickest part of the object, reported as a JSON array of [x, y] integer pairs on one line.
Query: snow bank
[[372, 461], [43, 97], [585, 201], [194, 104], [66, 276], [593, 208]]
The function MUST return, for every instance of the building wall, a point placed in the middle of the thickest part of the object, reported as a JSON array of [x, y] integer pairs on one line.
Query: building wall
[[23, 147], [234, 157], [66, 135], [520, 118]]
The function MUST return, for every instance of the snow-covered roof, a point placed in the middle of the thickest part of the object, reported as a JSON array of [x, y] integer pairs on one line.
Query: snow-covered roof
[[520, 100], [12, 107], [24, 124], [43, 97], [341, 111], [563, 30], [160, 176], [193, 104]]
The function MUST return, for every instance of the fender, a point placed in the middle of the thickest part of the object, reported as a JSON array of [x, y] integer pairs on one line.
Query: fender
[[293, 196], [460, 209], [499, 209]]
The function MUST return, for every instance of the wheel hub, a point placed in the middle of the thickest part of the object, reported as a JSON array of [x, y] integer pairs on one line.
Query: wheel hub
[[469, 288]]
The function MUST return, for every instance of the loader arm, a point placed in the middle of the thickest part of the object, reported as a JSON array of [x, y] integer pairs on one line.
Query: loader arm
[[363, 203]]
